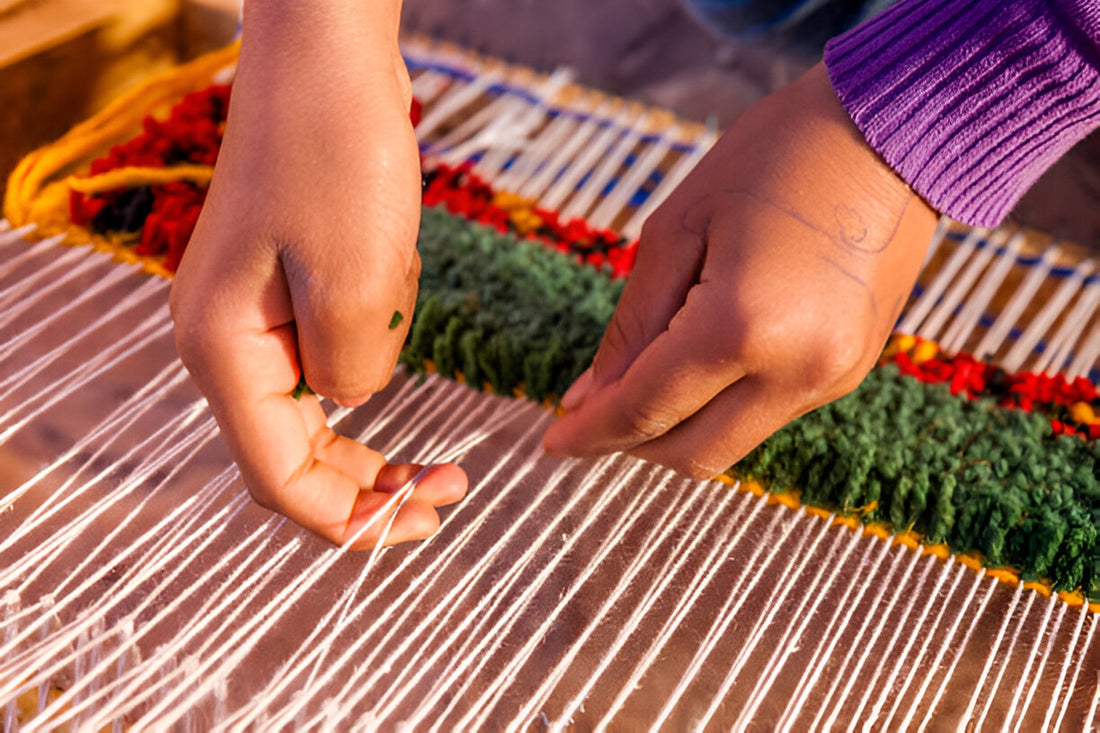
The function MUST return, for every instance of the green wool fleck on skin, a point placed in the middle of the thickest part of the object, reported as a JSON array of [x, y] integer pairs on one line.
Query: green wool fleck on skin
[[301, 389], [395, 321]]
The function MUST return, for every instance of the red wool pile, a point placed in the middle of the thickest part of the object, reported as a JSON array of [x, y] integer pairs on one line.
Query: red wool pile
[[191, 135]]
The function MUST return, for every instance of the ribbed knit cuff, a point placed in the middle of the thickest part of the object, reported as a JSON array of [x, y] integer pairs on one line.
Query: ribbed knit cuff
[[971, 100]]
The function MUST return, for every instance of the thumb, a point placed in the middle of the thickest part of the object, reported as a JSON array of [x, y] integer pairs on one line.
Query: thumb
[[670, 259], [353, 278], [352, 307]]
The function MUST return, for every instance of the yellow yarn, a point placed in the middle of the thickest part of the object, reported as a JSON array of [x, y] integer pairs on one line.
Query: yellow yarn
[[137, 176], [31, 179], [521, 211], [912, 540], [1083, 413]]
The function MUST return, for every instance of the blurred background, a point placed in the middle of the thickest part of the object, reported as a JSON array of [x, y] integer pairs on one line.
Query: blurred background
[[60, 60]]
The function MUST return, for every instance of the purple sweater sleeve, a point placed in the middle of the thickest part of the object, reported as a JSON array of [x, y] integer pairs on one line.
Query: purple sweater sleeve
[[971, 100]]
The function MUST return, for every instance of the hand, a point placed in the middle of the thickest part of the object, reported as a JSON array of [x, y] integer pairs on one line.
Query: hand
[[765, 286], [305, 250]]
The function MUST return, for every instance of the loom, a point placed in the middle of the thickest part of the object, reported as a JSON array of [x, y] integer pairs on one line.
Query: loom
[[140, 587]]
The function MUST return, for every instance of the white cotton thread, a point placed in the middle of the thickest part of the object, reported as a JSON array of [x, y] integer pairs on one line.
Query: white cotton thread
[[457, 592], [645, 165], [1033, 653], [998, 335], [902, 622], [1074, 325], [699, 147], [118, 421], [691, 539], [1005, 656], [406, 601], [273, 610], [941, 601], [456, 673], [897, 555], [799, 556], [974, 307], [569, 182], [915, 316], [658, 532], [734, 529], [60, 269], [581, 135], [457, 97], [1083, 615], [536, 155], [636, 506], [1024, 349], [967, 715], [799, 620], [1088, 355], [845, 610], [517, 125], [955, 295], [111, 357], [1085, 647], [606, 171], [949, 672]]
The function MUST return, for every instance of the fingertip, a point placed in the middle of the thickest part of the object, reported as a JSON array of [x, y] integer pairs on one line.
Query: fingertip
[[559, 440], [344, 387], [415, 521], [439, 485], [449, 483], [551, 443], [356, 400], [578, 391]]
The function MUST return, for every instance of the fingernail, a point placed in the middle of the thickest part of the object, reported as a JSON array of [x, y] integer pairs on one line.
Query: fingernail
[[552, 443], [575, 395]]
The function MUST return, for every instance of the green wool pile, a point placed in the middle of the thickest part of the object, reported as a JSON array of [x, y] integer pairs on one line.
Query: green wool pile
[[963, 472], [504, 311]]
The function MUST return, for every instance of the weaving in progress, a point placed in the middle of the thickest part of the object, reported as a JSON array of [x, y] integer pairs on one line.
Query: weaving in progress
[[921, 554]]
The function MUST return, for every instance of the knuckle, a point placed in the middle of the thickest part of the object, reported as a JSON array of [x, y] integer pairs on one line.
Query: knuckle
[[645, 421], [345, 391], [416, 265], [839, 359], [262, 498], [339, 306], [707, 462], [180, 307], [192, 339], [664, 223]]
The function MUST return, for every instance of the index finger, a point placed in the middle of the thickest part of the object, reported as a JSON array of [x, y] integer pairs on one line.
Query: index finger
[[292, 462], [674, 376]]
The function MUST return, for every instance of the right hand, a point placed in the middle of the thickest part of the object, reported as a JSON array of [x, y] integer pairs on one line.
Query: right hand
[[305, 250], [765, 286]]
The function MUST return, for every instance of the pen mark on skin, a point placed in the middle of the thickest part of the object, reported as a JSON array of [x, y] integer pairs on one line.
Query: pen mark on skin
[[856, 279], [853, 229]]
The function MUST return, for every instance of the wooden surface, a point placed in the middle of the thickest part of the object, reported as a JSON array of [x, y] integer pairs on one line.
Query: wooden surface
[[61, 60]]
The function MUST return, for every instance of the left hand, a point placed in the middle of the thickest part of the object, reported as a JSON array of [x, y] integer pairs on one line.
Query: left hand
[[305, 250], [765, 286]]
